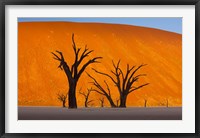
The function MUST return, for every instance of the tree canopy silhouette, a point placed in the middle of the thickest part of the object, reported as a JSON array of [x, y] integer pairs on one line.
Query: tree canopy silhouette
[[74, 72], [86, 96], [123, 81], [62, 97]]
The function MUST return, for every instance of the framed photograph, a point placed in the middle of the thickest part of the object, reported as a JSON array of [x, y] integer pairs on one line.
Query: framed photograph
[[100, 68]]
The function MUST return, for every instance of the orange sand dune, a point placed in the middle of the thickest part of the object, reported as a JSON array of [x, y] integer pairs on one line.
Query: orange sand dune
[[39, 79]]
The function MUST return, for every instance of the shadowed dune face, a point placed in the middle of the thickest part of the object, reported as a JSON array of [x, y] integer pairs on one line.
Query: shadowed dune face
[[39, 79]]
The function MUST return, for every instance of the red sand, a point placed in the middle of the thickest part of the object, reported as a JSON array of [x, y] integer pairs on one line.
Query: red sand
[[39, 79]]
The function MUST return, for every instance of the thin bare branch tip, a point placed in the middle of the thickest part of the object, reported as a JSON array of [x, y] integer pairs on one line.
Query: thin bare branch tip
[[56, 58], [54, 54], [144, 64], [119, 61], [97, 62], [87, 73], [113, 62], [99, 57], [59, 52]]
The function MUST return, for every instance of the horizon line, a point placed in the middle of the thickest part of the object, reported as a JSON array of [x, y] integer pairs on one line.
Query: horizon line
[[168, 24]]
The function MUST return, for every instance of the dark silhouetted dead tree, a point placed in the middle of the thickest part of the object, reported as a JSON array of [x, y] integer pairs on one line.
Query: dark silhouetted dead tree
[[62, 98], [101, 90], [101, 101], [124, 81], [74, 72], [86, 96]]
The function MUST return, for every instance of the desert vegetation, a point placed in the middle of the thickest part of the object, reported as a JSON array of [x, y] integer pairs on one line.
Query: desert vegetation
[[74, 72], [62, 98], [123, 80], [86, 96]]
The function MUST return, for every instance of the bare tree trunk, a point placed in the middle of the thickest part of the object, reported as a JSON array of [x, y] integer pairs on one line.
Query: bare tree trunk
[[123, 101], [102, 104], [72, 96], [86, 104], [64, 103]]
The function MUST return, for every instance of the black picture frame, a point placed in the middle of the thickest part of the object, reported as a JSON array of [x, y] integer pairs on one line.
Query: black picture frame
[[99, 2]]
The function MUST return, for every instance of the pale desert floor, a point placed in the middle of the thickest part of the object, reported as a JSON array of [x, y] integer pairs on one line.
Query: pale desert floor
[[133, 113]]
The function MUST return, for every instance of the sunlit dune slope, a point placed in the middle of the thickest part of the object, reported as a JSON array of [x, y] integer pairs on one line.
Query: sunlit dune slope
[[40, 79]]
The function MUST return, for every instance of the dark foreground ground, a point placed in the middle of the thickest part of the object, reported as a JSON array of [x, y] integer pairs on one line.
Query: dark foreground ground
[[134, 113]]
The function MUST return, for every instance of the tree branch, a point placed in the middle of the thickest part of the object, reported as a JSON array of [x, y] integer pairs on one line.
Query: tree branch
[[117, 74], [126, 77], [62, 97], [73, 43], [131, 90], [98, 92], [135, 71], [56, 57], [63, 64], [132, 79], [94, 60], [95, 83], [107, 88], [90, 101], [116, 66], [83, 94], [84, 54], [105, 75], [136, 78]]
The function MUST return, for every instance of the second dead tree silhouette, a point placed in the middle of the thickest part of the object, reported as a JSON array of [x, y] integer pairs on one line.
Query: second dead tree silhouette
[[86, 96], [123, 81], [62, 98], [74, 72]]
